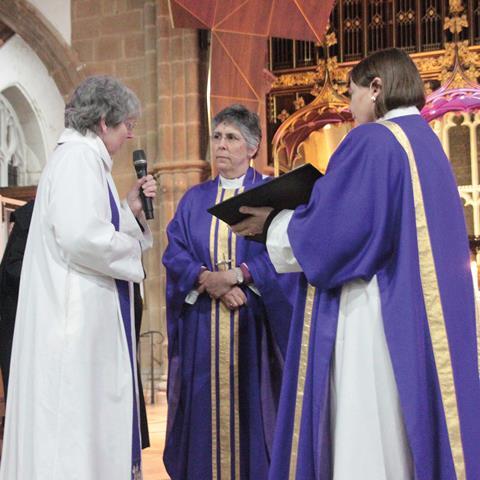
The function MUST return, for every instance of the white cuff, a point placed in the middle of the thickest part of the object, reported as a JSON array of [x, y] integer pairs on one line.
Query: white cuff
[[130, 226], [278, 244]]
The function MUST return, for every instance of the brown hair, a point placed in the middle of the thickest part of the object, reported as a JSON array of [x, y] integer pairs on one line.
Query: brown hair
[[401, 82]]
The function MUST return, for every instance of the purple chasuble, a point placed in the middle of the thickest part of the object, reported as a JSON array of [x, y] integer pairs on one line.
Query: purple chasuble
[[224, 366], [364, 218], [124, 298]]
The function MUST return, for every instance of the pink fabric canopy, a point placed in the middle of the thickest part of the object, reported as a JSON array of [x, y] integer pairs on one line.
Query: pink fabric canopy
[[447, 100], [457, 94]]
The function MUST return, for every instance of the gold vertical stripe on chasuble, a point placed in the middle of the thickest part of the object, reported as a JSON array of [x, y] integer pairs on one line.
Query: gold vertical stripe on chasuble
[[223, 395], [236, 393], [224, 358], [302, 374], [213, 335], [433, 306]]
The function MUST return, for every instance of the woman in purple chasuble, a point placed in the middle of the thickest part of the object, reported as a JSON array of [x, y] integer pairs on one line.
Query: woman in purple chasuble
[[381, 375], [228, 324], [72, 410]]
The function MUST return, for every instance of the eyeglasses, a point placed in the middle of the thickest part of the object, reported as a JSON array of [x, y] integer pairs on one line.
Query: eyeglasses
[[130, 125], [229, 138]]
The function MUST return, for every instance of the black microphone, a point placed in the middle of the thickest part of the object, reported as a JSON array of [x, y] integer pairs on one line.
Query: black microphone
[[140, 164]]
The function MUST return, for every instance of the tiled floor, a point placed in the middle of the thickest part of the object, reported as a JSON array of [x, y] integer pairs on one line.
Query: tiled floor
[[153, 468]]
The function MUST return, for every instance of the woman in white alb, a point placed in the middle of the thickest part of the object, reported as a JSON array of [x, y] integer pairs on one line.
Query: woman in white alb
[[72, 406]]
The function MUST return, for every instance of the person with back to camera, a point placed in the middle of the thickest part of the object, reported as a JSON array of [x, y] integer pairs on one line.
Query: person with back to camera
[[382, 379], [228, 322], [72, 410]]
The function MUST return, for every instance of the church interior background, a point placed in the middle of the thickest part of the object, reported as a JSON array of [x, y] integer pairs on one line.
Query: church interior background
[[48, 46]]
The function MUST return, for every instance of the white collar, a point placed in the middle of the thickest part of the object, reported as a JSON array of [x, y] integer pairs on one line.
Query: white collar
[[90, 139], [400, 112], [231, 183]]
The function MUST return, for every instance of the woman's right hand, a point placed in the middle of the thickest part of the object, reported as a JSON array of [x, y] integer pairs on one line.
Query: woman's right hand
[[234, 298], [149, 186], [217, 284]]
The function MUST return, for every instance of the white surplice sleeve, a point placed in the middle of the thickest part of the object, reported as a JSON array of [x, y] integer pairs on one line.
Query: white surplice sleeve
[[278, 244], [80, 217], [129, 225]]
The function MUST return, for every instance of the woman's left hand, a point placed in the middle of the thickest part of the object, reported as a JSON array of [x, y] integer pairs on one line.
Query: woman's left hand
[[217, 283], [252, 225], [149, 187], [234, 298]]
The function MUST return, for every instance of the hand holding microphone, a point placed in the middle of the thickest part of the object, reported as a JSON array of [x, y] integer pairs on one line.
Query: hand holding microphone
[[147, 189]]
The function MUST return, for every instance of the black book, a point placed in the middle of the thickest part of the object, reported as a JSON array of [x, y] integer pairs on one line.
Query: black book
[[285, 192]]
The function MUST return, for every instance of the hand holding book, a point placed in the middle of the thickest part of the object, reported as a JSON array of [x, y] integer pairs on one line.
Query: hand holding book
[[255, 224], [251, 212]]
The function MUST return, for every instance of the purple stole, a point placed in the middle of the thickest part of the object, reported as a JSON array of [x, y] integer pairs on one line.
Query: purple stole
[[124, 298]]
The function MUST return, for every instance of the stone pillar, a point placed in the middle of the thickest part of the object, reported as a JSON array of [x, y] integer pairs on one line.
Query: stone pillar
[[181, 130]]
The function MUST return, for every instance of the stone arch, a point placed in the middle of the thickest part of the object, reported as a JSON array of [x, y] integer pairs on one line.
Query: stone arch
[[60, 59], [35, 150]]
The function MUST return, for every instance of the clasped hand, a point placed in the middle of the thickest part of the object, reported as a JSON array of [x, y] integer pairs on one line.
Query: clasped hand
[[222, 286]]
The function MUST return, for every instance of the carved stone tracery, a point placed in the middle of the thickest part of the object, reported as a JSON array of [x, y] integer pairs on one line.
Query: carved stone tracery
[[13, 150]]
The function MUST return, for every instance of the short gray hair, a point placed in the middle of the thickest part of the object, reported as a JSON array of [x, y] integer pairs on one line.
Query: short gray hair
[[100, 97], [246, 121]]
